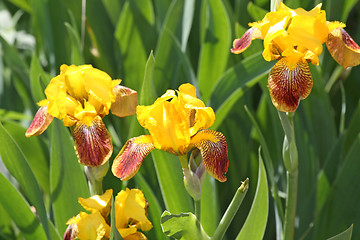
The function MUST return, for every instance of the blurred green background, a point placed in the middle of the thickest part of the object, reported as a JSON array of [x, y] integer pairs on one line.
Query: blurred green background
[[153, 46]]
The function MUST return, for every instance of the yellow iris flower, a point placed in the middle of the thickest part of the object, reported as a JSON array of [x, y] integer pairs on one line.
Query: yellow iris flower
[[295, 38], [81, 96], [174, 122], [130, 215]]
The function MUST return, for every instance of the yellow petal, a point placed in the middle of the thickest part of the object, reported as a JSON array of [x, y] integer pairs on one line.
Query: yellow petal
[[174, 118], [204, 118], [309, 32], [274, 40], [74, 80], [56, 96], [335, 24], [128, 161], [273, 22], [93, 227], [188, 89], [136, 236], [313, 12], [214, 153], [85, 114], [343, 48], [127, 231], [130, 205], [40, 122], [100, 203], [125, 102], [201, 117], [100, 85], [93, 144], [168, 125], [289, 82]]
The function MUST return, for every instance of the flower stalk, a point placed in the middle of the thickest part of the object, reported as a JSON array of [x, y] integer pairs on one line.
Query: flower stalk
[[290, 157], [95, 176]]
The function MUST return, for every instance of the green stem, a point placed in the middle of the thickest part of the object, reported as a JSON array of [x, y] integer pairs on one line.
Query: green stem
[[290, 210], [290, 154], [269, 167], [95, 187], [334, 77], [231, 211], [183, 161], [95, 176], [197, 208], [290, 157]]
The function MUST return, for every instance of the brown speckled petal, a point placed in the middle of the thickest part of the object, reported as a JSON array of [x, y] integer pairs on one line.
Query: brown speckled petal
[[40, 122], [128, 161], [93, 143], [287, 85], [214, 152], [343, 48], [241, 44]]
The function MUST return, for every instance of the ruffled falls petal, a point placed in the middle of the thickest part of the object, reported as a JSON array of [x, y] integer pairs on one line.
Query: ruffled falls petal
[[343, 48], [93, 143], [241, 44], [125, 102], [40, 122], [288, 83], [214, 153], [128, 161]]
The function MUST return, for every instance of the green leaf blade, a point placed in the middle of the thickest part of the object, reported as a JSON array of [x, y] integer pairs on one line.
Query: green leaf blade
[[183, 226], [18, 166], [66, 176], [216, 36], [19, 211], [170, 178], [255, 224], [346, 235]]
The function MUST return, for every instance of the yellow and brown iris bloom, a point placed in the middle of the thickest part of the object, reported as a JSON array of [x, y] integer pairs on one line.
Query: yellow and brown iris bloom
[[295, 38], [174, 122], [81, 96], [130, 215]]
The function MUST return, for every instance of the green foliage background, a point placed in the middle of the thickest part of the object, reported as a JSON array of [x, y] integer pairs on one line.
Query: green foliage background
[[153, 46]]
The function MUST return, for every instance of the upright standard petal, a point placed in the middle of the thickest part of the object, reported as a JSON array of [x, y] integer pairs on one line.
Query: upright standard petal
[[214, 153], [288, 83], [125, 102], [93, 226], [241, 44], [98, 203], [93, 143], [40, 122], [343, 48], [128, 161], [131, 211]]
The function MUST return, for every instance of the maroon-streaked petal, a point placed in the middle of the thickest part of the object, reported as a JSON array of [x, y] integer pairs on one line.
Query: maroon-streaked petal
[[288, 84], [40, 122], [125, 102], [93, 143], [214, 153], [343, 48], [241, 44], [128, 161]]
